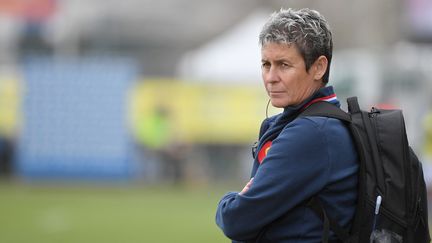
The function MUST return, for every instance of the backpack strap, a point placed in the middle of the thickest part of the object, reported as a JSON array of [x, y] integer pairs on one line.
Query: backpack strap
[[326, 109], [323, 108], [360, 117], [328, 222], [353, 105]]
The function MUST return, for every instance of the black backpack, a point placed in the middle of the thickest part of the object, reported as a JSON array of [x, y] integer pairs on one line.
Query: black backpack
[[392, 198]]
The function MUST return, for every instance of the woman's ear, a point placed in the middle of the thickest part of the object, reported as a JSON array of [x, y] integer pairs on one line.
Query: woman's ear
[[320, 67]]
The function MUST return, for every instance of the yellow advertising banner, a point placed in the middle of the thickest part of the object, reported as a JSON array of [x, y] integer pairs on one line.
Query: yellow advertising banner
[[164, 111]]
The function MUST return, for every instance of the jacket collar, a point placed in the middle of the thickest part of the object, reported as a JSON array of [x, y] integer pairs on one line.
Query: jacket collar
[[275, 124], [323, 94]]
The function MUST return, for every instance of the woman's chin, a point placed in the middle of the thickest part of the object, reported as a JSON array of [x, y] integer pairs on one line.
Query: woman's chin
[[278, 104]]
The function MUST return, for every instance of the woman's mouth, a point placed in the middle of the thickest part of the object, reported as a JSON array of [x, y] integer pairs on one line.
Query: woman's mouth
[[275, 93]]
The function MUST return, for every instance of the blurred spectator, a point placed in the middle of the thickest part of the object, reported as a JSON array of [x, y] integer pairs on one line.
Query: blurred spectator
[[6, 152], [9, 103], [157, 137]]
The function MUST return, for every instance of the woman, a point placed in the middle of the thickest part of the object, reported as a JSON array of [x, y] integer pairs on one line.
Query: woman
[[296, 158]]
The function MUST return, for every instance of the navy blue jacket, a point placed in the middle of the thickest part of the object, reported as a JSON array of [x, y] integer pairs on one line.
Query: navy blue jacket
[[308, 156]]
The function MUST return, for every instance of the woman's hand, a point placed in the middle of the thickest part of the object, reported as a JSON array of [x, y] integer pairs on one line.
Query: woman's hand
[[246, 188]]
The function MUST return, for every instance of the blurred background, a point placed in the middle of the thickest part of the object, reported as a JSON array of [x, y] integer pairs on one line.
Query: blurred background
[[126, 121]]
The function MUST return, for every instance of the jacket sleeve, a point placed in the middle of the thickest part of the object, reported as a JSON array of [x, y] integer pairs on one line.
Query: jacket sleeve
[[295, 168]]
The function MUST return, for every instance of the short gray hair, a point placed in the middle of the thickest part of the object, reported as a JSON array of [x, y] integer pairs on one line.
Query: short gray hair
[[306, 29]]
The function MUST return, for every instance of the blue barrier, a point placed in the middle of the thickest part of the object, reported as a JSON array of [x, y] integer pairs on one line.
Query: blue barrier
[[74, 118]]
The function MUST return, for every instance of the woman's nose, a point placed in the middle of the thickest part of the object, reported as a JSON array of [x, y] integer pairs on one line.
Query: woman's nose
[[271, 75]]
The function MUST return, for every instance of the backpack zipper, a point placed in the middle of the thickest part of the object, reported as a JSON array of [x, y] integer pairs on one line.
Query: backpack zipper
[[373, 113]]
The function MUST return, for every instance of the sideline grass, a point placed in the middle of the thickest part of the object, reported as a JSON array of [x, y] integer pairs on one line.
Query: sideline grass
[[45, 214]]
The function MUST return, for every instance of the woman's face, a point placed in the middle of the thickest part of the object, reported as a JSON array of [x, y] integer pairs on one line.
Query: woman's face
[[285, 77]]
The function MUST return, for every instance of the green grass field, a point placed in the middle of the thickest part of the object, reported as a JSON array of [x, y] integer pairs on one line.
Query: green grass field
[[93, 214]]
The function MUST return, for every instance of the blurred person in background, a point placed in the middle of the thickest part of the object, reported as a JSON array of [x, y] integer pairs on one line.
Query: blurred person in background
[[158, 144], [9, 119], [295, 158], [6, 152]]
